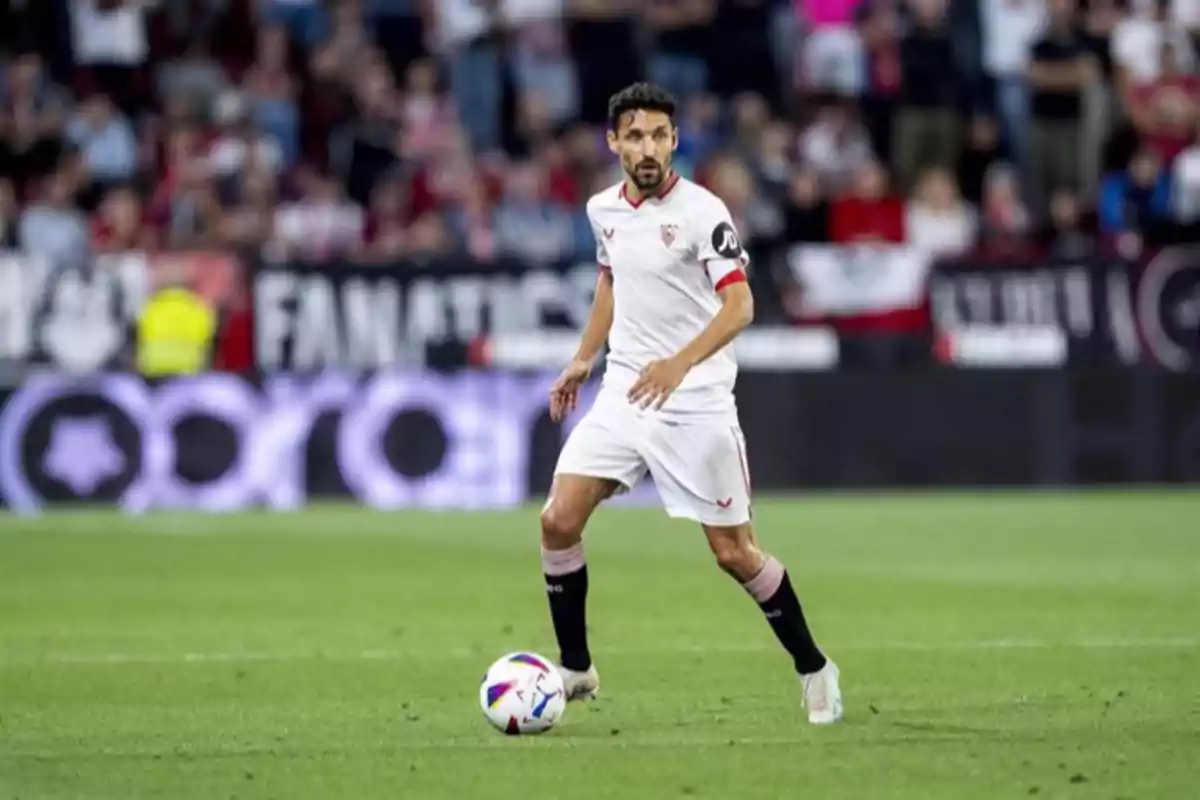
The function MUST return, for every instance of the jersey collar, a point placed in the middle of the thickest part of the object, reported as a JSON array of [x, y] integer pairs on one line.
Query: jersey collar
[[663, 190]]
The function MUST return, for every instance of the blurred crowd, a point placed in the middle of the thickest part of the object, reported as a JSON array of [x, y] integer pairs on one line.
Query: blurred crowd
[[374, 130]]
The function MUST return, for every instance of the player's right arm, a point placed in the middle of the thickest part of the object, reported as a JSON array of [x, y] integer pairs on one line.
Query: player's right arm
[[595, 332], [564, 395]]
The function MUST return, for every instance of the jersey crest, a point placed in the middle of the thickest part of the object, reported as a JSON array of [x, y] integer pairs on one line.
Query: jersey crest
[[669, 232]]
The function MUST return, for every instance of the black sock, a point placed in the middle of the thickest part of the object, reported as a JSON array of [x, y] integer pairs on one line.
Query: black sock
[[568, 608], [786, 618]]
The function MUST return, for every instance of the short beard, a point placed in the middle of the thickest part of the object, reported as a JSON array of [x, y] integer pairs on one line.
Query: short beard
[[647, 188]]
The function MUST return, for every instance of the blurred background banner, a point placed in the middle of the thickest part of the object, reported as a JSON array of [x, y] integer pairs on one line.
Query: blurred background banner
[[368, 317], [79, 317], [483, 440]]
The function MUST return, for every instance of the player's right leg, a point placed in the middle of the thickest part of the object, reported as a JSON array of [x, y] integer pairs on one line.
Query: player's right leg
[[573, 498], [598, 460]]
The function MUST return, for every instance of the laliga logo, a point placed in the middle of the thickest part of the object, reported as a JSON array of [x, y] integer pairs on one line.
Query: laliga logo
[[485, 419], [1169, 307]]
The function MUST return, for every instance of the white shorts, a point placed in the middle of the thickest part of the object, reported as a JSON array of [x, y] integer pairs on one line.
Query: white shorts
[[699, 467]]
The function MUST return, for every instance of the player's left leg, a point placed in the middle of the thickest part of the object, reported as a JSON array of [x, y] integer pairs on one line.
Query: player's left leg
[[700, 471], [766, 580]]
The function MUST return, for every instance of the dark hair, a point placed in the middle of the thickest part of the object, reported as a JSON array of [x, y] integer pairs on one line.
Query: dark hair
[[639, 97]]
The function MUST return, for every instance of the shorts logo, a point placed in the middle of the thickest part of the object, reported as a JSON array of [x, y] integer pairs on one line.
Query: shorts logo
[[669, 232], [608, 232], [726, 503]]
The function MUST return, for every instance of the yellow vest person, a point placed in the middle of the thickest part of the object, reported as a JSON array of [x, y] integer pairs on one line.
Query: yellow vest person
[[175, 333]]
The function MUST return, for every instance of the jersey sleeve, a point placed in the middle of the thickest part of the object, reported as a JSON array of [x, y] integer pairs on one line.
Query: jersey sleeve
[[720, 248], [602, 261]]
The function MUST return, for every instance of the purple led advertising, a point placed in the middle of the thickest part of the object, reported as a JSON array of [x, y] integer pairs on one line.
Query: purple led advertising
[[222, 443]]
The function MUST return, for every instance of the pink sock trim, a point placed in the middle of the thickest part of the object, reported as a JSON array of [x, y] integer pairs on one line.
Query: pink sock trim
[[563, 562], [764, 585]]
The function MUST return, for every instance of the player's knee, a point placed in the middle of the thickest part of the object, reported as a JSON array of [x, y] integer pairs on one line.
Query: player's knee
[[562, 527], [741, 559]]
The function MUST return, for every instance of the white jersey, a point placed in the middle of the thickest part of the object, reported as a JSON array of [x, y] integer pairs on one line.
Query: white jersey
[[669, 256]]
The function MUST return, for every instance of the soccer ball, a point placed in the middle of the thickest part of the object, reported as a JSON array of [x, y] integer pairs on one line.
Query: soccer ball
[[522, 693]]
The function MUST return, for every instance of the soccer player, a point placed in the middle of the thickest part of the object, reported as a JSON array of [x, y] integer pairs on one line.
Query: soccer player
[[670, 298]]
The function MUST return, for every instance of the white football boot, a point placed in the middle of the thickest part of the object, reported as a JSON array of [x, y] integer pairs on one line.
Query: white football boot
[[580, 685], [822, 695]]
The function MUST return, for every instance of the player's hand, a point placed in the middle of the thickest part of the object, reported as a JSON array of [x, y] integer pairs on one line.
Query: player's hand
[[657, 381], [564, 394]]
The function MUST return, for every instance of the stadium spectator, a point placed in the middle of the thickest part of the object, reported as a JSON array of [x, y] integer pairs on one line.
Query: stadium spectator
[[1163, 110], [836, 146], [473, 223], [119, 225], [271, 93], [1010, 28], [365, 147], [806, 214], [386, 222], [772, 164], [679, 31], [52, 226], [34, 110], [1060, 70], [110, 48], [981, 150], [192, 82], [1067, 235], [528, 225], [305, 20], [928, 127], [834, 55], [429, 238], [249, 219], [1004, 219], [466, 36], [106, 140], [323, 224], [239, 144], [880, 27], [754, 215], [938, 222], [1185, 183], [740, 56], [1132, 200], [868, 212], [1139, 38], [426, 113]]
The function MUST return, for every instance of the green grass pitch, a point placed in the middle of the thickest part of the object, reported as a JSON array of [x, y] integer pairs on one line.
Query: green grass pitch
[[991, 645]]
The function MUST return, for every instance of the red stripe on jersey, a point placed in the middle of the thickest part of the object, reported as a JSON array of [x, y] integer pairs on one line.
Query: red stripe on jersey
[[604, 268], [737, 276], [668, 185]]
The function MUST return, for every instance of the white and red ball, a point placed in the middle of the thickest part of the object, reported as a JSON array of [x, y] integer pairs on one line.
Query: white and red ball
[[522, 693]]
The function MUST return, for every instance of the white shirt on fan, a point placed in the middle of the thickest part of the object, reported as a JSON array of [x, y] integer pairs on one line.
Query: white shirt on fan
[[669, 256], [111, 36], [1009, 30], [940, 234], [460, 21]]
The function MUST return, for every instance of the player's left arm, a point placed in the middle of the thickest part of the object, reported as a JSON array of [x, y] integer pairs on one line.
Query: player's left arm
[[725, 260], [737, 311]]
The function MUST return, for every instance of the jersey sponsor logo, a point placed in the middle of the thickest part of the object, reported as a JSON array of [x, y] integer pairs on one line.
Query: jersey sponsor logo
[[725, 241], [669, 232]]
